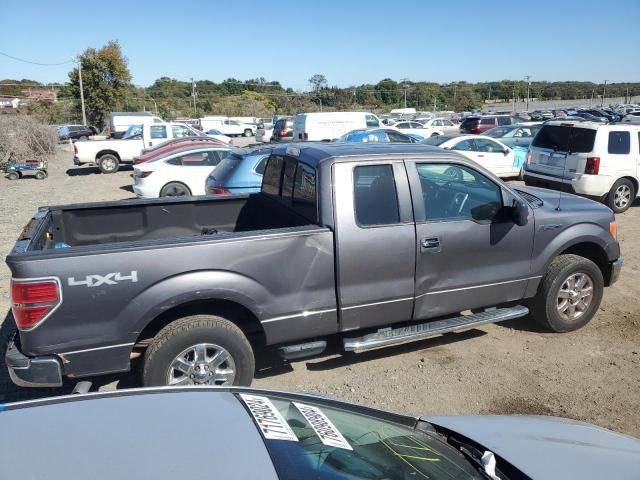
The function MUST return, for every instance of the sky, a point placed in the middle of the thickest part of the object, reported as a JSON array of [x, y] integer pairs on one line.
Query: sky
[[350, 42]]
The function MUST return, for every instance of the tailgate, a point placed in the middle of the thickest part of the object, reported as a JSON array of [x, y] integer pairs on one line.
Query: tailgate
[[556, 163], [33, 235], [561, 150]]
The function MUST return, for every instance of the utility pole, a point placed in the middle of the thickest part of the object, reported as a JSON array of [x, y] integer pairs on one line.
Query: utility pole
[[78, 60], [455, 94], [404, 83], [604, 92], [193, 94], [528, 79]]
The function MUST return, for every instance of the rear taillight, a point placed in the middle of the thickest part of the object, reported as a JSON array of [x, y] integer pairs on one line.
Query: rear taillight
[[144, 174], [75, 148], [33, 300], [593, 166], [219, 191], [306, 136]]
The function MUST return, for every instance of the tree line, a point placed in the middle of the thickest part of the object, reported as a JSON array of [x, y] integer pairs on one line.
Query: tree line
[[107, 87]]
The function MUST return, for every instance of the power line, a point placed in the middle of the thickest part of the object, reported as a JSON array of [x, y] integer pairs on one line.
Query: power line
[[35, 63]]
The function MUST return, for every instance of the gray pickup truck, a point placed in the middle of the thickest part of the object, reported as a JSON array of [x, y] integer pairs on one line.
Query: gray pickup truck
[[379, 244]]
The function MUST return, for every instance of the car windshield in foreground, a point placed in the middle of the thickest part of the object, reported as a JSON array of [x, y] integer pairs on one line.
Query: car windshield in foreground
[[437, 140], [565, 139], [309, 441]]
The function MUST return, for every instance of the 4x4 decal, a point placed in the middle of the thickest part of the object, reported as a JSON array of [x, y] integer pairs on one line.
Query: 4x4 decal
[[96, 280]]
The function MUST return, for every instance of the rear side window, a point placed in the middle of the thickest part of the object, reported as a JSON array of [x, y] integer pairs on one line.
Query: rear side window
[[504, 121], [271, 179], [487, 121], [565, 139], [158, 131], [619, 143], [261, 166], [304, 192], [376, 200]]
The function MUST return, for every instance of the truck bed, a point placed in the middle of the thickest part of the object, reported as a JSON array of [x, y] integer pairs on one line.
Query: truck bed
[[142, 220]]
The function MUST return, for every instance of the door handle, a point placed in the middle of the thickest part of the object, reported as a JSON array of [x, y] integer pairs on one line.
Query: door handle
[[431, 244], [479, 155]]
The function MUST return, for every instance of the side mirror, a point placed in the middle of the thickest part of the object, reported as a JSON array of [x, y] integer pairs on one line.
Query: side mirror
[[520, 213], [506, 151]]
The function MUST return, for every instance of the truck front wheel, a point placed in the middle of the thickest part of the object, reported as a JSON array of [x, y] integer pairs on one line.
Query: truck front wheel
[[248, 133], [569, 294], [199, 350], [108, 163]]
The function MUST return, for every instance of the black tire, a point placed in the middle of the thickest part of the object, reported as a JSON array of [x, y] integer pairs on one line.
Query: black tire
[[175, 189], [41, 175], [435, 134], [13, 176], [621, 196], [248, 133], [544, 306], [108, 163], [188, 332]]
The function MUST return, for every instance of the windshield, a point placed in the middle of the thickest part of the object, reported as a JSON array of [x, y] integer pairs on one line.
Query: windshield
[[133, 131], [437, 140], [498, 132], [565, 139], [226, 167], [319, 443]]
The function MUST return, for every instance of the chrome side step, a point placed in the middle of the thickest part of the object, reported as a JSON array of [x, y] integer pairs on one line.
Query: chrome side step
[[392, 336]]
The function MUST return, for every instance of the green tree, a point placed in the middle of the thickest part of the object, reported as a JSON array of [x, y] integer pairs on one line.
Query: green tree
[[318, 81], [106, 80]]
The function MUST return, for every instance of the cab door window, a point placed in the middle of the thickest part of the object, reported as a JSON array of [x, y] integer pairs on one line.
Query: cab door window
[[456, 192], [376, 199]]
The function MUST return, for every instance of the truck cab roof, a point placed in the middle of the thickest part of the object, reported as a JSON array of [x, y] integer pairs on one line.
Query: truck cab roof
[[314, 153]]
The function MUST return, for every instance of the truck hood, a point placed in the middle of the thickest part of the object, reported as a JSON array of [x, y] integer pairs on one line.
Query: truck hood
[[550, 447], [568, 202]]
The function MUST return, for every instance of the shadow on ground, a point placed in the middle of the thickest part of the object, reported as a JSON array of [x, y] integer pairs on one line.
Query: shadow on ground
[[82, 171]]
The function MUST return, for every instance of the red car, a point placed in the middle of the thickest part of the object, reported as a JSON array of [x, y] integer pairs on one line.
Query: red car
[[477, 125], [172, 146]]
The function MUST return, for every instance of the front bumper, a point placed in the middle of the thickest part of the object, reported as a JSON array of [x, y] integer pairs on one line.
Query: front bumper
[[616, 267], [45, 371]]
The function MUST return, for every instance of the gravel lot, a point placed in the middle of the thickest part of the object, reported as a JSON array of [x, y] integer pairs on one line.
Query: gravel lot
[[592, 374]]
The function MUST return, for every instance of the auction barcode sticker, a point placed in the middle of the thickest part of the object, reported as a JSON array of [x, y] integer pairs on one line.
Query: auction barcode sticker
[[268, 418], [327, 431]]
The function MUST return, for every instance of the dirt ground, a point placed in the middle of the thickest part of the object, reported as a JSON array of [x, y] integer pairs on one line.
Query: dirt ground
[[592, 374]]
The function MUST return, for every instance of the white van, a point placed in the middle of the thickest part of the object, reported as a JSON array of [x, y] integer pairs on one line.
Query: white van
[[326, 126], [119, 122], [587, 158]]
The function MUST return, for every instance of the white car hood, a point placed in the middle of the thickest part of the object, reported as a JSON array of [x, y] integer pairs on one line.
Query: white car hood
[[549, 447]]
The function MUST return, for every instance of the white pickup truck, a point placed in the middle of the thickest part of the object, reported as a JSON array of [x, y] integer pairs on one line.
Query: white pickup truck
[[108, 155]]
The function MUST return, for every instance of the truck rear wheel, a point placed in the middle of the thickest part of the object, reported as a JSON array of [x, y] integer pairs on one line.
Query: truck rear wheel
[[622, 195], [108, 163], [199, 350], [248, 132], [569, 295]]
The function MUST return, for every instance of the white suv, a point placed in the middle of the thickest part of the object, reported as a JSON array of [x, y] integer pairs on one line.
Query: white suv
[[590, 159]]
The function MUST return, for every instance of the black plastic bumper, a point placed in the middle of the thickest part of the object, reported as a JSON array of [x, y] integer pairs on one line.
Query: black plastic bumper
[[45, 371], [616, 267]]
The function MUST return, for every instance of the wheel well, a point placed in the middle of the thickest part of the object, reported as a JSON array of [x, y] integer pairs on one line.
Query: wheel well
[[234, 312], [634, 182], [181, 183], [593, 252], [107, 152]]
